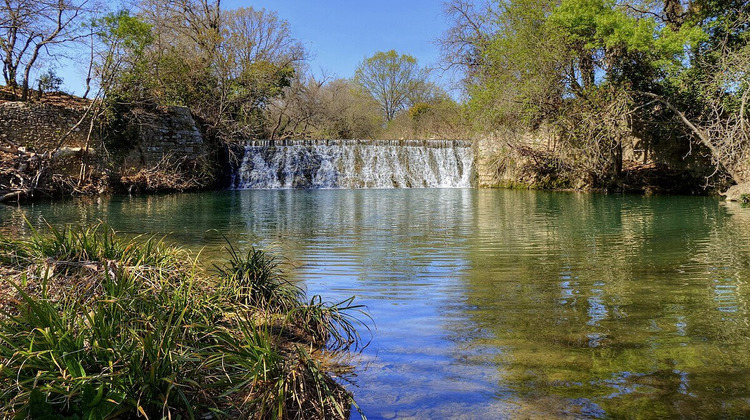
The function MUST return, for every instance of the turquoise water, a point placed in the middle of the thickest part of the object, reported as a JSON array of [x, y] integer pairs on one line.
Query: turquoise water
[[491, 304]]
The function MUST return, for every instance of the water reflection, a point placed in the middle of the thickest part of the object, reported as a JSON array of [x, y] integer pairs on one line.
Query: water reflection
[[622, 307], [498, 303]]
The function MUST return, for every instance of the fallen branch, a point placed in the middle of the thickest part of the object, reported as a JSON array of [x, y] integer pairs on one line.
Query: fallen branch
[[12, 196]]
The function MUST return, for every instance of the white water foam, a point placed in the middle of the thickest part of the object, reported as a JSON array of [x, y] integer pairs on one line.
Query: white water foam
[[355, 164]]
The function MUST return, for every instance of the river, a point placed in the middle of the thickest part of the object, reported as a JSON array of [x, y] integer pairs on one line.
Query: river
[[494, 303]]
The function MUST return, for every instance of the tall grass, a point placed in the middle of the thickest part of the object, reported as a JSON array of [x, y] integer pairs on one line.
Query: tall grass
[[255, 279], [157, 338]]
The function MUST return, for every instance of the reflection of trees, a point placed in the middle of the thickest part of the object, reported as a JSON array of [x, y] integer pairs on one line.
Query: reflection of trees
[[635, 303], [631, 305], [391, 235]]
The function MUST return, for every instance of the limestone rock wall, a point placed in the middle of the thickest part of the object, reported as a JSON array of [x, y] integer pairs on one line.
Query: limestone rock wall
[[165, 133], [499, 162], [39, 126], [169, 134], [153, 150]]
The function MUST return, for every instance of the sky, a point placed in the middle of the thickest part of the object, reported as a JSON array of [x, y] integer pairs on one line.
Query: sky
[[339, 34]]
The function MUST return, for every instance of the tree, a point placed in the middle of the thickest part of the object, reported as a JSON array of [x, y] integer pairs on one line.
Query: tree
[[260, 58], [319, 108], [225, 65], [590, 69], [123, 40], [30, 29], [391, 79]]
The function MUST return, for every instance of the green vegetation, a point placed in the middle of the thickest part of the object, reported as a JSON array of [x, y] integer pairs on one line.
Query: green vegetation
[[96, 326], [660, 82], [394, 81], [614, 86], [240, 71]]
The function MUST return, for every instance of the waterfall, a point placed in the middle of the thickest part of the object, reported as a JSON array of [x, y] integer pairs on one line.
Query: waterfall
[[270, 164]]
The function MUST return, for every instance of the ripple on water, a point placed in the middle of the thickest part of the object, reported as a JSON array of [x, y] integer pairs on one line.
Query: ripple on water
[[496, 304]]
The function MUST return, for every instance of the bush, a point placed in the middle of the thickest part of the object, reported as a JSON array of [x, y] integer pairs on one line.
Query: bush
[[49, 82]]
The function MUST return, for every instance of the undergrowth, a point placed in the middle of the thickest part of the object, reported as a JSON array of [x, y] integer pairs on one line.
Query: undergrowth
[[96, 326]]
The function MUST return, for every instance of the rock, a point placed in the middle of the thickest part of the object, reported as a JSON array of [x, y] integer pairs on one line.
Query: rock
[[739, 192], [64, 152]]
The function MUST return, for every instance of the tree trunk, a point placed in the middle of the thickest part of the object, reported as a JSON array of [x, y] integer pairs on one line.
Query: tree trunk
[[673, 14], [586, 64], [25, 89]]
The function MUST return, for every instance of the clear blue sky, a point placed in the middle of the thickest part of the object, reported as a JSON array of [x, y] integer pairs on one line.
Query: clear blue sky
[[339, 34]]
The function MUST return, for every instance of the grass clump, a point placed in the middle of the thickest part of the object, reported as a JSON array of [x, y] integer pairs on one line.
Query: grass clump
[[255, 279], [95, 326]]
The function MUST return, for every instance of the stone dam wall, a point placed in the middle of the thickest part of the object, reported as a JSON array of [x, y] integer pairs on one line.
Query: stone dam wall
[[169, 133]]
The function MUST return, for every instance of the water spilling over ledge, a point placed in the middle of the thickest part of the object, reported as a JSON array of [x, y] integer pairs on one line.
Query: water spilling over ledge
[[268, 164]]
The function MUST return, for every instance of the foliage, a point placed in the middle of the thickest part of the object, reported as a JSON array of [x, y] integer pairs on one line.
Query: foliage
[[124, 39], [103, 327], [49, 82], [315, 108], [601, 71], [225, 65], [443, 119], [255, 279], [394, 81]]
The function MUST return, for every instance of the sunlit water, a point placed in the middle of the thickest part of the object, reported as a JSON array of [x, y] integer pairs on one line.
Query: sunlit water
[[492, 304]]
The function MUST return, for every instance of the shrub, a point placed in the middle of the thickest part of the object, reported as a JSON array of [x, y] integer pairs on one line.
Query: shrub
[[152, 335]]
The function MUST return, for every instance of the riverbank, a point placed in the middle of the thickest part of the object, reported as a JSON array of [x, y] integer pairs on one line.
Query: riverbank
[[534, 160], [60, 145], [51, 147], [98, 325]]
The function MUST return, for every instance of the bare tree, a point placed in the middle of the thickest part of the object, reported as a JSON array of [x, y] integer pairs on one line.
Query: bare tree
[[317, 107], [471, 26], [32, 28], [253, 36]]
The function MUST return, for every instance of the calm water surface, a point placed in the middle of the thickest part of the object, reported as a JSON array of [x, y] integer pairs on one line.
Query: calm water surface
[[493, 304]]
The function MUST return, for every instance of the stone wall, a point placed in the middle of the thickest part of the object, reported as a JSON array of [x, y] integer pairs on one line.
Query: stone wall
[[39, 126], [153, 150], [169, 133], [533, 159], [498, 162]]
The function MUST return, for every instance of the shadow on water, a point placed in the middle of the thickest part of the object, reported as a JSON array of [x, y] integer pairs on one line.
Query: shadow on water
[[497, 303]]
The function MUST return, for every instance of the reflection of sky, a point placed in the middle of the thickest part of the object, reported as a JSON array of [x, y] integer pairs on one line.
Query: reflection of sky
[[403, 253], [484, 299]]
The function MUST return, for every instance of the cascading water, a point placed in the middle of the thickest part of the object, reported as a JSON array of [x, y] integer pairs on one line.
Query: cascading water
[[355, 164]]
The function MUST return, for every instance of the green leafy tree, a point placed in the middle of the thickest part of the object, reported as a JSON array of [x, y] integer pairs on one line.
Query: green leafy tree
[[601, 70], [392, 80], [225, 65], [120, 62]]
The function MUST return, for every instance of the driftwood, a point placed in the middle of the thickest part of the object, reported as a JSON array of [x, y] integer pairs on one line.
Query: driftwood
[[169, 174], [20, 173]]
